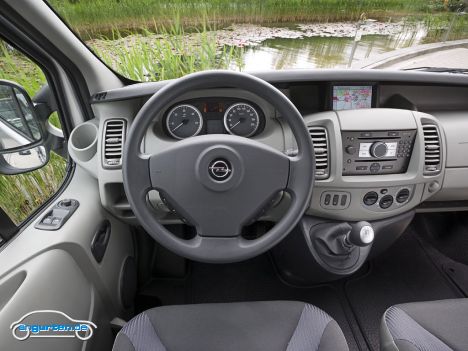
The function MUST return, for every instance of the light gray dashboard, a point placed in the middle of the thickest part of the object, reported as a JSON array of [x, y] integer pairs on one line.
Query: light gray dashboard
[[335, 195]]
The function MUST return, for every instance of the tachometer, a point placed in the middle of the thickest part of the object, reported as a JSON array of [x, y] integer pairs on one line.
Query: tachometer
[[184, 121], [241, 119]]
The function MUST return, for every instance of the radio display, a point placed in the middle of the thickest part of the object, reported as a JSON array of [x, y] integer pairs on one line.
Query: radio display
[[352, 97]]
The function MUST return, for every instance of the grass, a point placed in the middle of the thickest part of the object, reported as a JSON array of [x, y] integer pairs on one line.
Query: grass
[[90, 18], [21, 194], [170, 54]]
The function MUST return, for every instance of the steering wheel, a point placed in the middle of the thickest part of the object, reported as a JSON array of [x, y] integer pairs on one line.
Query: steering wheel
[[218, 183]]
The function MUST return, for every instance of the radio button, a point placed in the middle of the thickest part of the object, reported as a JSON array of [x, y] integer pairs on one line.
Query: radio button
[[387, 167], [375, 167], [361, 168], [393, 134], [351, 149]]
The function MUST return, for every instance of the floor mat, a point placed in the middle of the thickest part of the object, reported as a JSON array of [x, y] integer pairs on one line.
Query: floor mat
[[252, 280], [447, 233], [407, 272], [404, 273]]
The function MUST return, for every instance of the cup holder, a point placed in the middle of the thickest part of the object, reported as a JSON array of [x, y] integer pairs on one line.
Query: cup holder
[[83, 141]]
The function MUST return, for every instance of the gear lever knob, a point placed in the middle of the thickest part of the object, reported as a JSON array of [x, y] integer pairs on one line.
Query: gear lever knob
[[361, 234]]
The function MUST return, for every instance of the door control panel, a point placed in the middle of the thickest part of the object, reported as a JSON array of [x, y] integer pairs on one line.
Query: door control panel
[[55, 218]]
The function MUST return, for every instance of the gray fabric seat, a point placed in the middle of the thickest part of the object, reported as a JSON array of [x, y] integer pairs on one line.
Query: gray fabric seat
[[249, 326], [426, 326]]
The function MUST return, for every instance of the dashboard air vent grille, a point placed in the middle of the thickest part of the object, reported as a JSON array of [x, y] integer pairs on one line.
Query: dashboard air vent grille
[[432, 149], [321, 147], [114, 136]]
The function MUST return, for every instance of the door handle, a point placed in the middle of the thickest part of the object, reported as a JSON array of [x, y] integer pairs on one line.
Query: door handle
[[100, 240]]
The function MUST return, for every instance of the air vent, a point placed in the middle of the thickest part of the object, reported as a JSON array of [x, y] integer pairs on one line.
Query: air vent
[[321, 147], [432, 149], [114, 136]]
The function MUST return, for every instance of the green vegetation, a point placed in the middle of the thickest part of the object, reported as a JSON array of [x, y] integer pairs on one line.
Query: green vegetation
[[21, 194], [169, 54], [93, 17]]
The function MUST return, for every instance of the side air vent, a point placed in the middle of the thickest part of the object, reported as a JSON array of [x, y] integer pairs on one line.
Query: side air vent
[[432, 149], [321, 147], [114, 137]]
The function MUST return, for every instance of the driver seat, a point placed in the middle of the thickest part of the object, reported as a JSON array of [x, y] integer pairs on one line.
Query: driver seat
[[246, 326]]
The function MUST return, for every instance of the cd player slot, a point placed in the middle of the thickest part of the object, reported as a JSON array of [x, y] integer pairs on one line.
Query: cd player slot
[[378, 138], [373, 160]]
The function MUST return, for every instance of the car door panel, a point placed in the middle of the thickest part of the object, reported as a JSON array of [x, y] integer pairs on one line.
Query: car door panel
[[56, 270]]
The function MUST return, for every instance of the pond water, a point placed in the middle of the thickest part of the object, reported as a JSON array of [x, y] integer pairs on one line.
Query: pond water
[[317, 45], [334, 50]]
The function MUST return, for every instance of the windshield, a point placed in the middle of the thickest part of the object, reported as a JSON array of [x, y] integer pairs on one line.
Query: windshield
[[151, 40]]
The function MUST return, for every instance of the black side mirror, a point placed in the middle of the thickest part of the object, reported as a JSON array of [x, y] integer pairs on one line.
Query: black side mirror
[[22, 133]]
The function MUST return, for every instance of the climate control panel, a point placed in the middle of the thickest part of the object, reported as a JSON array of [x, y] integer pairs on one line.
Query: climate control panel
[[377, 152], [383, 199]]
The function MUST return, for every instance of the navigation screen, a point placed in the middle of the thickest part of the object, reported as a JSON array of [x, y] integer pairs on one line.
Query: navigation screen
[[352, 97]]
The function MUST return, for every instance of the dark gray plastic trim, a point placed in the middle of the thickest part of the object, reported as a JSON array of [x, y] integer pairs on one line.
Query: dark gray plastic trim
[[295, 76]]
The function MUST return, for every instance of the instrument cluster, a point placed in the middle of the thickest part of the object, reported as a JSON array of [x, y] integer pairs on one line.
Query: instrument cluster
[[214, 116]]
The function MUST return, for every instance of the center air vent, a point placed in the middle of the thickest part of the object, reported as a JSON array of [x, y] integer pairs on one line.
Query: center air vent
[[114, 136], [321, 148], [432, 149]]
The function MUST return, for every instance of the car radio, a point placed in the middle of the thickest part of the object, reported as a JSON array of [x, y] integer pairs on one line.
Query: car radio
[[377, 152]]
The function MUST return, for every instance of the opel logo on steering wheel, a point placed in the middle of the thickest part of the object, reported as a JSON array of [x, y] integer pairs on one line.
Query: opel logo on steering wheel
[[220, 169]]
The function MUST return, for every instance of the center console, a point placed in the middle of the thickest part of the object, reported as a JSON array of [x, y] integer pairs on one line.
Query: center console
[[379, 165], [379, 162]]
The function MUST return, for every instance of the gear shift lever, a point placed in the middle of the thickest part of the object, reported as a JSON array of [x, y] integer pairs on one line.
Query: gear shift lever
[[361, 234]]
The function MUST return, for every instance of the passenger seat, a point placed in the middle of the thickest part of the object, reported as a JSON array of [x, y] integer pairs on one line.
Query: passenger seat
[[426, 326]]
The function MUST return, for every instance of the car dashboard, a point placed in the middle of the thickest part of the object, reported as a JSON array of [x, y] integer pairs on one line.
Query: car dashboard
[[385, 142]]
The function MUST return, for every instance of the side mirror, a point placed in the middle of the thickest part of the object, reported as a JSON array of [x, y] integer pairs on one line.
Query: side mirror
[[22, 138]]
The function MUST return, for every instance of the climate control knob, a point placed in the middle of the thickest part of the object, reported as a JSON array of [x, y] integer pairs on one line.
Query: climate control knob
[[378, 149]]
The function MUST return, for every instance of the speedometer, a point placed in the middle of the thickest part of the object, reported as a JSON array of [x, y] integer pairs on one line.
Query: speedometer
[[241, 119], [184, 121]]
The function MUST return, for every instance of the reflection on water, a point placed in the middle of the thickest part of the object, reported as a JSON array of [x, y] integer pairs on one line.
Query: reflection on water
[[325, 52]]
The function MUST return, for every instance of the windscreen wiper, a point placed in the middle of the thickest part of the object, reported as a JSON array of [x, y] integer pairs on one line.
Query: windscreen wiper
[[439, 70]]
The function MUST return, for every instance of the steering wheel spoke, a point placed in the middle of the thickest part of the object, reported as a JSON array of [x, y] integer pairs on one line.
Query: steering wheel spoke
[[296, 171], [140, 176]]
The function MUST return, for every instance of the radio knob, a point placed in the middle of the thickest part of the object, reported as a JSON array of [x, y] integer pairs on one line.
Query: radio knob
[[350, 149], [378, 149]]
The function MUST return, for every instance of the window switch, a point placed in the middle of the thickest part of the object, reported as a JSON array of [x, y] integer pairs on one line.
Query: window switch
[[335, 200], [327, 199], [56, 217], [47, 220], [344, 199]]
